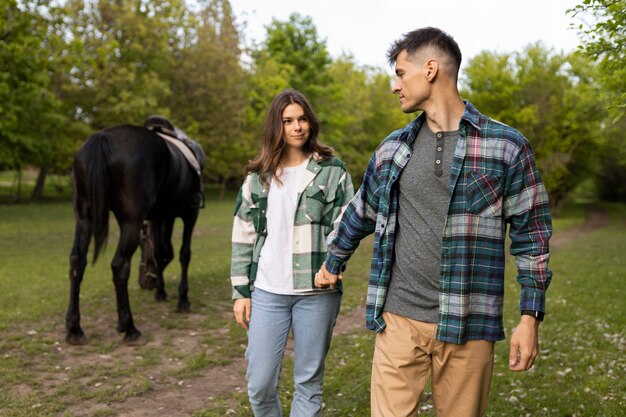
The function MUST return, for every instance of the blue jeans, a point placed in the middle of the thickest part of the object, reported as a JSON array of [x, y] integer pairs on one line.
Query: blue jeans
[[272, 315]]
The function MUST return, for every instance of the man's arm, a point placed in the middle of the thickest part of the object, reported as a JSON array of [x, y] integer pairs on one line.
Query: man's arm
[[527, 209], [357, 221]]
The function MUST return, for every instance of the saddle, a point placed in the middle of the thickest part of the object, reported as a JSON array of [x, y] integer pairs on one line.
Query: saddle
[[190, 149]]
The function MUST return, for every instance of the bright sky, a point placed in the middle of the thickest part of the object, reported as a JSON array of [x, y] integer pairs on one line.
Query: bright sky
[[366, 28]]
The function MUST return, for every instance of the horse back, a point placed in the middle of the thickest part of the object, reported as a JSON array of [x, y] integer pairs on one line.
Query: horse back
[[145, 177], [146, 165]]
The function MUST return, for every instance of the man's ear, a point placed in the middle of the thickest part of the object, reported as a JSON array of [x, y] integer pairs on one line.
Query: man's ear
[[432, 68]]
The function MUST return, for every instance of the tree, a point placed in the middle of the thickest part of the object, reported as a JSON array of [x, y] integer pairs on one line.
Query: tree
[[32, 119], [358, 112], [123, 76], [602, 29], [297, 44], [208, 87], [552, 99], [603, 32]]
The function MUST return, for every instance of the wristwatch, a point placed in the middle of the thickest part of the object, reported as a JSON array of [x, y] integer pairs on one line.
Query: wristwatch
[[536, 314]]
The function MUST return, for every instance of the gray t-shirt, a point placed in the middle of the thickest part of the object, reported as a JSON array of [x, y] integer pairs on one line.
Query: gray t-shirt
[[423, 206]]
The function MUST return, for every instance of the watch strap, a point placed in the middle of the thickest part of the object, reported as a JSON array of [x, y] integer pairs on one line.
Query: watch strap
[[536, 314]]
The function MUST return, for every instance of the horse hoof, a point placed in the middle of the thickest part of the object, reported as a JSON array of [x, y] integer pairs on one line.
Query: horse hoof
[[135, 340], [147, 282], [76, 339], [183, 307], [160, 297]]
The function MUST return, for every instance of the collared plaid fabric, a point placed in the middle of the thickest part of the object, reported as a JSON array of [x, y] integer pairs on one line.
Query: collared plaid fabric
[[493, 182], [323, 193]]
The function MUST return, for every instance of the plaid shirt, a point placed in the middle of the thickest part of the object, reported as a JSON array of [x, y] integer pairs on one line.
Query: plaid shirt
[[493, 181], [324, 191]]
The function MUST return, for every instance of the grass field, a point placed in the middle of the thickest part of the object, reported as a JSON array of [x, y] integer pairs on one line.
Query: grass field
[[580, 371]]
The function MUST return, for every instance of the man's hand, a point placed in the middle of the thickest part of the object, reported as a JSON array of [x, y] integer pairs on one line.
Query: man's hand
[[324, 279], [524, 344], [241, 308]]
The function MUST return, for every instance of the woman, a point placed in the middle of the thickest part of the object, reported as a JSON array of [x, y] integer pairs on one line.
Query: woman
[[293, 194]]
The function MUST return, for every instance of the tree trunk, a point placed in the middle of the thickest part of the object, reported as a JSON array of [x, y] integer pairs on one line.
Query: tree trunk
[[222, 188], [18, 189], [41, 181]]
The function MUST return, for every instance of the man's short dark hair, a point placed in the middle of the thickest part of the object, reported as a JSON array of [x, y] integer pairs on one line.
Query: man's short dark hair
[[413, 41]]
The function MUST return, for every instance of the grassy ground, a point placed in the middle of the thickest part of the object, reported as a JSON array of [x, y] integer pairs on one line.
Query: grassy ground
[[579, 372]]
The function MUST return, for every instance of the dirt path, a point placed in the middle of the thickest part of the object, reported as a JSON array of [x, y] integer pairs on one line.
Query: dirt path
[[173, 398], [179, 398]]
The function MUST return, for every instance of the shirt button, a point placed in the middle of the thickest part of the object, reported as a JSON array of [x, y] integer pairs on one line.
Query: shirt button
[[297, 264], [438, 162], [439, 135], [439, 148]]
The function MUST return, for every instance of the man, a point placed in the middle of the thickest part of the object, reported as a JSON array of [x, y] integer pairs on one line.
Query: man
[[438, 195]]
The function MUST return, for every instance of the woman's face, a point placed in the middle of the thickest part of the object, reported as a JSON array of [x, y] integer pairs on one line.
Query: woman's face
[[295, 126]]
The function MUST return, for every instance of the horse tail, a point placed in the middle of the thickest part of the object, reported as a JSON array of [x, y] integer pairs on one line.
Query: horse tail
[[98, 155]]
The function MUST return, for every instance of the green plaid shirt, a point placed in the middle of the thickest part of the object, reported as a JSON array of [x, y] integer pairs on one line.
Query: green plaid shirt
[[323, 193], [493, 182]]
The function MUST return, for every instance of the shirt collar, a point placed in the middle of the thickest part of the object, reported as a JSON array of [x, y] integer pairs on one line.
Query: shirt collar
[[470, 116]]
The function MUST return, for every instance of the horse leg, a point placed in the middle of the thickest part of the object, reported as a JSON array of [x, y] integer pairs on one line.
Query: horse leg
[[147, 275], [185, 257], [129, 241], [164, 255], [78, 261]]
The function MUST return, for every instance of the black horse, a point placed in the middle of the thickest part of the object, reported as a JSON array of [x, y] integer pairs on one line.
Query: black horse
[[143, 178]]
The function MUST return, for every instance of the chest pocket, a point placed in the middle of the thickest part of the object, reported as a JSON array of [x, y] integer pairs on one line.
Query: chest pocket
[[319, 204], [484, 195], [257, 212]]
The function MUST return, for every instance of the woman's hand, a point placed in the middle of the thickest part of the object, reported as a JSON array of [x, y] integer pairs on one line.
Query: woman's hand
[[324, 279], [241, 308]]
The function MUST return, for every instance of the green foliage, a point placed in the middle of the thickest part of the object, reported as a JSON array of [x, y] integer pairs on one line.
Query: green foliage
[[552, 99], [30, 110], [295, 43], [124, 46], [208, 96], [602, 29], [71, 67], [357, 112], [611, 172]]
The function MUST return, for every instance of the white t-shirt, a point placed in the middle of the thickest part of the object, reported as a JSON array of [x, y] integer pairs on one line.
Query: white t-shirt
[[275, 273]]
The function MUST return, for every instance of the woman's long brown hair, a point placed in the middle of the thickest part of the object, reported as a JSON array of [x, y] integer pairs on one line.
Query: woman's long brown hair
[[267, 162]]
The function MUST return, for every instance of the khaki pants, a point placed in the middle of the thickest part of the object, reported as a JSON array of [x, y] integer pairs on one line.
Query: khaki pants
[[406, 354]]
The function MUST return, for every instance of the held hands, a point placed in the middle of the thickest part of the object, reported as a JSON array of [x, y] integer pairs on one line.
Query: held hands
[[241, 308], [524, 344], [324, 279]]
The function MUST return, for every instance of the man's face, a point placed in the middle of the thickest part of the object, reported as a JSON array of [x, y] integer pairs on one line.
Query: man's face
[[411, 83]]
